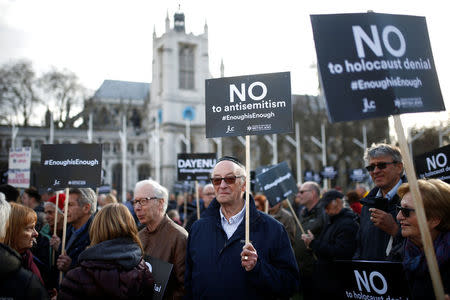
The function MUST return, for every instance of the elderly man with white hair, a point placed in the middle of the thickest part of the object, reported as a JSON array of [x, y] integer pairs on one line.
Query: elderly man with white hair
[[161, 238]]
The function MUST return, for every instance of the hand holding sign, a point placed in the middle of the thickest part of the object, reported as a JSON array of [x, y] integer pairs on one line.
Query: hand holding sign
[[249, 257]]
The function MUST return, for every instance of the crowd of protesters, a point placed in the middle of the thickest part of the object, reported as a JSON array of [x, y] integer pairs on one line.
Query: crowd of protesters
[[290, 255]]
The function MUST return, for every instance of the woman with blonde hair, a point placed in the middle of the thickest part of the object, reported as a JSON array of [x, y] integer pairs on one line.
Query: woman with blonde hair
[[112, 267], [436, 201]]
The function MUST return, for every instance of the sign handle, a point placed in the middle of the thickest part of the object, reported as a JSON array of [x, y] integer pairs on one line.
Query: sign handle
[[247, 189], [295, 216], [266, 206], [420, 211], [63, 247], [96, 200], [55, 224], [197, 199]]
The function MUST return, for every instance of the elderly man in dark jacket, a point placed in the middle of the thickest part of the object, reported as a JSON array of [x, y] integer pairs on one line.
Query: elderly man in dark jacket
[[217, 264], [337, 241], [379, 231]]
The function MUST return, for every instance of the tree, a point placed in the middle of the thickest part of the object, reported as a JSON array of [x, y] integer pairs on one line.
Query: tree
[[18, 92], [63, 91]]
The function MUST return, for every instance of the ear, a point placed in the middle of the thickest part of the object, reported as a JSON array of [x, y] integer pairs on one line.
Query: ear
[[433, 222], [243, 184], [86, 208]]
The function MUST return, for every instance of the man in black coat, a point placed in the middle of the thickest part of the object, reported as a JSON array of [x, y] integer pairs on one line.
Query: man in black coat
[[336, 242], [379, 230]]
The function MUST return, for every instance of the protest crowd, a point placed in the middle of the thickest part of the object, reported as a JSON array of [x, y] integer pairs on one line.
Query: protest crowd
[[111, 249]]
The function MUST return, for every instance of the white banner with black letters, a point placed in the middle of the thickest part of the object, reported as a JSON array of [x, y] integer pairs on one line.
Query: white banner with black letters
[[248, 105], [375, 65]]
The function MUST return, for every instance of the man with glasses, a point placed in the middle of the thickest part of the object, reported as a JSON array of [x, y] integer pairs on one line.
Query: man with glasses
[[218, 263], [379, 232], [207, 196], [312, 218], [161, 237]]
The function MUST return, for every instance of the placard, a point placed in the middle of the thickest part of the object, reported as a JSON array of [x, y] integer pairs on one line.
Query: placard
[[195, 166], [19, 167], [329, 172], [312, 176], [248, 105], [358, 175], [277, 183], [375, 65], [434, 164], [372, 280], [71, 165], [161, 274]]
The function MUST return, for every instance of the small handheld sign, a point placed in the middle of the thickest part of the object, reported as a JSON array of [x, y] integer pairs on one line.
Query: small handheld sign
[[371, 280], [329, 172], [161, 271], [434, 164], [19, 167], [195, 166], [248, 105], [358, 175], [375, 65], [71, 165]]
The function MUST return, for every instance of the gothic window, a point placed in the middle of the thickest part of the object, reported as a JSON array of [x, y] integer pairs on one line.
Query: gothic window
[[38, 144], [143, 172], [186, 64], [116, 148], [140, 148], [26, 143], [130, 148], [106, 147]]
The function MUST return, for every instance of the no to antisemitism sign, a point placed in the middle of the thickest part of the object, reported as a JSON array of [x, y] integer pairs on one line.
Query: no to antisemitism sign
[[375, 65], [248, 105]]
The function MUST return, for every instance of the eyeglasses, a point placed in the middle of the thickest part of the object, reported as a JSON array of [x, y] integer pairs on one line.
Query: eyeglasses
[[142, 201], [304, 191], [406, 211], [381, 166], [228, 180]]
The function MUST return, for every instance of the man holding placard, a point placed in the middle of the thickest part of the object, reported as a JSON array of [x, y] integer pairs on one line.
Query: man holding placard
[[79, 216], [379, 231], [219, 265]]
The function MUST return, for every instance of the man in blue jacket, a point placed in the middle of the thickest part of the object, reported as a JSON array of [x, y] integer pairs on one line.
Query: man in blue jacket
[[219, 265]]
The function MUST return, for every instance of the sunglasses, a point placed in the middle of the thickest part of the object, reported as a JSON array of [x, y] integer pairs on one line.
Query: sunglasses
[[304, 191], [406, 212], [228, 180], [380, 166]]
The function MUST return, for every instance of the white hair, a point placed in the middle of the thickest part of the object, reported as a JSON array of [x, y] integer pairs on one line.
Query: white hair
[[5, 209], [159, 191]]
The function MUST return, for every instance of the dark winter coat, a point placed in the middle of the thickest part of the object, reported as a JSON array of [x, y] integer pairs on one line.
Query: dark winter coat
[[213, 262], [372, 241], [79, 244], [15, 281], [112, 269], [336, 242]]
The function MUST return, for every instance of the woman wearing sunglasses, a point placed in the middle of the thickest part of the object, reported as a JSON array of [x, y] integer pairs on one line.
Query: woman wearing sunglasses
[[436, 201]]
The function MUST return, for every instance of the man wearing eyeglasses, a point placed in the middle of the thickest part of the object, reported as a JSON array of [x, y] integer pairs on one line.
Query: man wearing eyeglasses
[[219, 265], [207, 196], [161, 237], [379, 232], [312, 218]]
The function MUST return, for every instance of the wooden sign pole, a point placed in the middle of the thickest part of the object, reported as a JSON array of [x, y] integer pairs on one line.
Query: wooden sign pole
[[295, 216], [266, 206], [247, 189], [420, 211], [55, 224], [197, 199], [63, 247]]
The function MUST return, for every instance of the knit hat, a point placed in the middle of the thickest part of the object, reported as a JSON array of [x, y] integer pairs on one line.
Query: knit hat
[[61, 200]]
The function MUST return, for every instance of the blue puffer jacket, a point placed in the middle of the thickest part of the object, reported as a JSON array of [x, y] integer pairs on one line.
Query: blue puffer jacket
[[213, 262]]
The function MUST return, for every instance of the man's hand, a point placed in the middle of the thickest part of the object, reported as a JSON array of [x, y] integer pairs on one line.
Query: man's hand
[[63, 262], [249, 257], [384, 221], [307, 238], [55, 241]]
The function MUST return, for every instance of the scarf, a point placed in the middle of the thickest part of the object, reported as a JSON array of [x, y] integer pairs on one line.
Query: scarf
[[28, 263], [415, 261]]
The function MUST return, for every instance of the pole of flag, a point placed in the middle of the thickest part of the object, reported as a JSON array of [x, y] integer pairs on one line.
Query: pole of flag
[[63, 247]]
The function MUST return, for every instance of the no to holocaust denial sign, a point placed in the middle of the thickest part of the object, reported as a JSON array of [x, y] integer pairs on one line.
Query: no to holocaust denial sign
[[434, 164], [71, 165], [195, 166], [19, 167], [372, 280], [248, 105], [277, 183], [375, 65]]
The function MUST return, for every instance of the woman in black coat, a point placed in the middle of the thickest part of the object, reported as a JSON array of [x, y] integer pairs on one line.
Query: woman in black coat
[[112, 267]]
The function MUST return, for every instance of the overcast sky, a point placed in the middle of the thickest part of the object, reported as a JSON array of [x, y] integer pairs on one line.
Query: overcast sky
[[100, 40]]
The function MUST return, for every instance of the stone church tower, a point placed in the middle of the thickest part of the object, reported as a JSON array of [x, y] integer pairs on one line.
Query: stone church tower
[[177, 102]]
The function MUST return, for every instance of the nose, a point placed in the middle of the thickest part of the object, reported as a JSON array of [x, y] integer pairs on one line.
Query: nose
[[223, 184], [35, 233], [400, 216]]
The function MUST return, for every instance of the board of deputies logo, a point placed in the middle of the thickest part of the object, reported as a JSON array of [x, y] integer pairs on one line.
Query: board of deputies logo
[[259, 127]]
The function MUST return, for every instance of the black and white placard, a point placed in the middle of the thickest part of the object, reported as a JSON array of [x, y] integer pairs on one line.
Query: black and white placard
[[434, 164], [195, 166]]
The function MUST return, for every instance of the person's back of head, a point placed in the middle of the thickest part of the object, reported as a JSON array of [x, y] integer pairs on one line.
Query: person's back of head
[[111, 222], [10, 192]]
